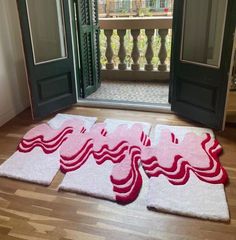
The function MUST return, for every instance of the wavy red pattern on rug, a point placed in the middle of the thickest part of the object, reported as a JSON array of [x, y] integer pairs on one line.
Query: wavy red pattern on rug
[[179, 171], [125, 177], [49, 145], [78, 148], [125, 147], [127, 189], [121, 149], [74, 162], [49, 139]]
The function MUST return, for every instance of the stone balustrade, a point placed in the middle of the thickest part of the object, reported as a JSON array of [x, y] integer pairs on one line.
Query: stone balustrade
[[158, 26]]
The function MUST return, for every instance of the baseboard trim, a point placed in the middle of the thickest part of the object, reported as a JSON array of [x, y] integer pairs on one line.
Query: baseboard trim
[[11, 113]]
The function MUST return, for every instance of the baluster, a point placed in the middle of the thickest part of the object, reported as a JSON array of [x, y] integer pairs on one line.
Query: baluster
[[108, 8], [135, 51], [109, 52], [122, 51], [149, 51], [162, 67]]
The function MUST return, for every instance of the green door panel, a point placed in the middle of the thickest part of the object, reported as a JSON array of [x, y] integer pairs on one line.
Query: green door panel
[[47, 43], [198, 91]]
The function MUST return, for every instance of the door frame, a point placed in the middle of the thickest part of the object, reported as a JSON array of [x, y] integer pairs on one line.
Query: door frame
[[75, 46]]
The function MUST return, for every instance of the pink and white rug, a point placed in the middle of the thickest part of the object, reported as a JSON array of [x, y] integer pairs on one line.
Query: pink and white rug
[[106, 163], [185, 175], [104, 159], [37, 158]]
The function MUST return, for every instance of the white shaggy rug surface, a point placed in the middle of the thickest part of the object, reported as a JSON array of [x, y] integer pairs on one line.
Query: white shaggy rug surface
[[195, 198], [107, 160], [94, 179], [37, 166]]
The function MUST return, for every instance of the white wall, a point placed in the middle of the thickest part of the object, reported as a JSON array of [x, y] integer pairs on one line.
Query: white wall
[[13, 82]]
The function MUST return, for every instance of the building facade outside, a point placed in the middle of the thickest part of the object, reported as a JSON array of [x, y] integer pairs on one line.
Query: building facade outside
[[126, 8]]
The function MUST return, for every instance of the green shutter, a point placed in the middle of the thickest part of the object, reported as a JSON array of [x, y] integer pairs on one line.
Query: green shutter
[[88, 27]]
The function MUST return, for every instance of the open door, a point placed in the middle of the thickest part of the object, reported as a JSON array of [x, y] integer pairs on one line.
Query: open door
[[47, 42], [203, 33], [88, 34]]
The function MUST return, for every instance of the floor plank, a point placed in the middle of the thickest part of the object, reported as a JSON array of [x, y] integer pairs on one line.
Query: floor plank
[[30, 211]]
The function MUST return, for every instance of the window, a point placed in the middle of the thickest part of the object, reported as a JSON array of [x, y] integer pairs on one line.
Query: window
[[162, 3]]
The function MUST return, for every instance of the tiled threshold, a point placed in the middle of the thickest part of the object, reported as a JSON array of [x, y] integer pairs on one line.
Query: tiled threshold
[[139, 106], [153, 92]]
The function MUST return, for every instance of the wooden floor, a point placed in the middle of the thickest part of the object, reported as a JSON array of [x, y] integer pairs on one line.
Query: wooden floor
[[30, 211]]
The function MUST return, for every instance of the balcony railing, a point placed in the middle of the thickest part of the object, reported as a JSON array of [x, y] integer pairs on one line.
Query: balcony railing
[[138, 64]]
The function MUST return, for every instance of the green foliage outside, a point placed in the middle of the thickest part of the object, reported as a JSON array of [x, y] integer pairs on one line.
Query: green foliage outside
[[142, 43], [145, 12]]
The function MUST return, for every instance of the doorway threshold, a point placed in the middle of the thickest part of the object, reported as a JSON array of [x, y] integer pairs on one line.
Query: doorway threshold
[[126, 105]]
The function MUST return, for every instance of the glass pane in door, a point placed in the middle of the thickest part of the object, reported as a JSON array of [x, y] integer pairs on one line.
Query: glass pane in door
[[203, 30], [46, 23]]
